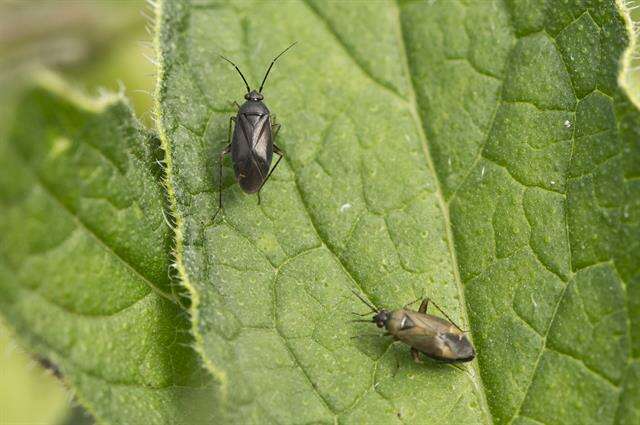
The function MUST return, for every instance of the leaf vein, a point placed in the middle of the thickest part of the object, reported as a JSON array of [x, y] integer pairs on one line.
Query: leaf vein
[[101, 242], [292, 354], [351, 53], [475, 378], [592, 371], [568, 234]]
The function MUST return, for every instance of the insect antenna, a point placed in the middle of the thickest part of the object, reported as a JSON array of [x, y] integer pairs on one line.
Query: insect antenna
[[239, 72], [360, 320], [367, 303], [445, 315], [461, 369], [412, 302], [272, 62], [368, 336]]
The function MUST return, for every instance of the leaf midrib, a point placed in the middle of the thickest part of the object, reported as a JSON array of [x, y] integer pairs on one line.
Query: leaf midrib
[[476, 377], [411, 105]]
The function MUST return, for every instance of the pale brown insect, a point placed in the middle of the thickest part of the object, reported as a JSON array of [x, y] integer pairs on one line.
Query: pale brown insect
[[430, 335]]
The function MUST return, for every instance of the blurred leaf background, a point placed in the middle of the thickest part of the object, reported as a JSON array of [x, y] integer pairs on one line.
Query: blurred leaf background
[[97, 45]]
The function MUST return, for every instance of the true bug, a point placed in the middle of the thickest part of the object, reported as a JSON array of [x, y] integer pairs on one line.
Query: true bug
[[252, 142], [430, 335]]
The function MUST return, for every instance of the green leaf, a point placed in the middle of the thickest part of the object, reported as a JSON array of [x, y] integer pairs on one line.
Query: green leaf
[[84, 256], [482, 154]]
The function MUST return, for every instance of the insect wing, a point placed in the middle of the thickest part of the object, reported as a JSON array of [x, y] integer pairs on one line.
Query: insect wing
[[421, 331], [415, 325], [242, 139], [250, 169], [261, 139], [256, 139], [422, 339], [432, 336], [252, 136], [430, 325]]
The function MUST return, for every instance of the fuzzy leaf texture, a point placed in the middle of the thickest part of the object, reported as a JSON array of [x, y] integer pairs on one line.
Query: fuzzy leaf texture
[[84, 255], [483, 154], [480, 153]]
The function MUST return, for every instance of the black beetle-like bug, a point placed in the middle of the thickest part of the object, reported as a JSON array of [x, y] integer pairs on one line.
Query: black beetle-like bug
[[430, 335], [252, 142]]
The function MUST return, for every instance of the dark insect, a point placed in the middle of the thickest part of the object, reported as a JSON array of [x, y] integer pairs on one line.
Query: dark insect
[[252, 143], [430, 335]]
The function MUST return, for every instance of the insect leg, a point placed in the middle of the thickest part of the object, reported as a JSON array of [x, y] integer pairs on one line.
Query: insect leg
[[222, 154], [423, 306], [232, 120], [416, 355], [225, 151], [445, 315], [280, 154], [275, 128], [412, 302]]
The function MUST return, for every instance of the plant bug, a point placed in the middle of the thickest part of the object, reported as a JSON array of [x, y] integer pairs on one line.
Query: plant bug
[[430, 335], [252, 143]]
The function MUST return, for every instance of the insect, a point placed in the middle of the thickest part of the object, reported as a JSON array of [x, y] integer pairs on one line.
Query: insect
[[252, 143], [430, 335]]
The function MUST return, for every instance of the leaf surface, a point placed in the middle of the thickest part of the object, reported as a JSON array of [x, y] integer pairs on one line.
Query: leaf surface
[[478, 153], [84, 256]]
